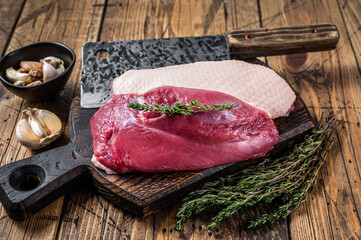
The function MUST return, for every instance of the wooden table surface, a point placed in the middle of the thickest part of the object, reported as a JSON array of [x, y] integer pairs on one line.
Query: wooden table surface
[[327, 81]]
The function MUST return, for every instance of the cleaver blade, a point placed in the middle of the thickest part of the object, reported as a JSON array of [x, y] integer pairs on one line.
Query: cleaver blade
[[98, 74]]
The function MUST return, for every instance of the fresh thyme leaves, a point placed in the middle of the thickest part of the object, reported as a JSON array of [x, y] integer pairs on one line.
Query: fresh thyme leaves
[[194, 106], [288, 178]]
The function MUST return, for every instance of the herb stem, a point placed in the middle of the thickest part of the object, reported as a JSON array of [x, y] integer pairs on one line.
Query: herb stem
[[287, 178], [194, 106]]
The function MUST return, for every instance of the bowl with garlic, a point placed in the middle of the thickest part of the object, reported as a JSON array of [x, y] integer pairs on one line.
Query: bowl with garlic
[[37, 71]]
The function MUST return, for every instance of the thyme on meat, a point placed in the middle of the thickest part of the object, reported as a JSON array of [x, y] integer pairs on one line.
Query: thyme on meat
[[194, 106], [288, 179]]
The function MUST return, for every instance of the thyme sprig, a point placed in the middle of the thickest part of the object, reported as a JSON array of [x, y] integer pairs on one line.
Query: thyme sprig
[[194, 106], [287, 178]]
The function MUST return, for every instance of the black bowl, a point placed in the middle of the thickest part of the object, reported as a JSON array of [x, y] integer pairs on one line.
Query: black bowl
[[35, 52]]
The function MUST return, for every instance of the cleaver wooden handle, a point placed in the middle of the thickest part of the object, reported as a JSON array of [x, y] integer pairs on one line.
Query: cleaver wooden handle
[[282, 40]]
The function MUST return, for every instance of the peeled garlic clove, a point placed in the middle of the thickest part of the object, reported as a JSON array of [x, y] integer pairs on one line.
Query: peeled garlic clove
[[15, 76], [31, 65], [22, 70], [49, 71], [38, 128]]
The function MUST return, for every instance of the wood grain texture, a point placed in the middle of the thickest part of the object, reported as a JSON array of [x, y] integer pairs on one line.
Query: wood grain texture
[[40, 21], [328, 81], [350, 13], [9, 12], [282, 40]]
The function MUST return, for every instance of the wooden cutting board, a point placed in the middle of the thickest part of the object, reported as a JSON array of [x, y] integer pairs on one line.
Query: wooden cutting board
[[29, 185]]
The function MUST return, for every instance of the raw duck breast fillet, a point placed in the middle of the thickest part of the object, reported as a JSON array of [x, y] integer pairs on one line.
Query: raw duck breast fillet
[[253, 83], [128, 140]]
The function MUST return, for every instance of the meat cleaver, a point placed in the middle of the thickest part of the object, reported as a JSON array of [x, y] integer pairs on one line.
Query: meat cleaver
[[97, 74]]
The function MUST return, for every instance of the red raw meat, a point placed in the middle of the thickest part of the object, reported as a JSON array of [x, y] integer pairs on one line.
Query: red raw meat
[[128, 140]]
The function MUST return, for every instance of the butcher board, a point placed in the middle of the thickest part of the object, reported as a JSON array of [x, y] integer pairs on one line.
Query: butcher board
[[29, 185]]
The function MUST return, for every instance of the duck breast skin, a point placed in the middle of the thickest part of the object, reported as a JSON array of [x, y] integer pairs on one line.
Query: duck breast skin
[[253, 83]]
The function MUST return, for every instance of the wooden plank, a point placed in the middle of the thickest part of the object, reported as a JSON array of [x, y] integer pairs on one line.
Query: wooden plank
[[326, 81], [156, 19], [350, 12], [9, 13], [72, 24]]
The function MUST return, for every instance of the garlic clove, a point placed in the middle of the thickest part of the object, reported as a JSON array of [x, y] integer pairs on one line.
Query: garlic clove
[[60, 69], [57, 65], [49, 139], [15, 76], [22, 70], [19, 83], [38, 128], [31, 65], [54, 60], [36, 73], [49, 120], [54, 63], [49, 71], [26, 136], [29, 80], [33, 83]]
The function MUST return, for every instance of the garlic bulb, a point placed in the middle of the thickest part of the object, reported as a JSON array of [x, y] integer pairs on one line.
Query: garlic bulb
[[37, 128], [52, 67]]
